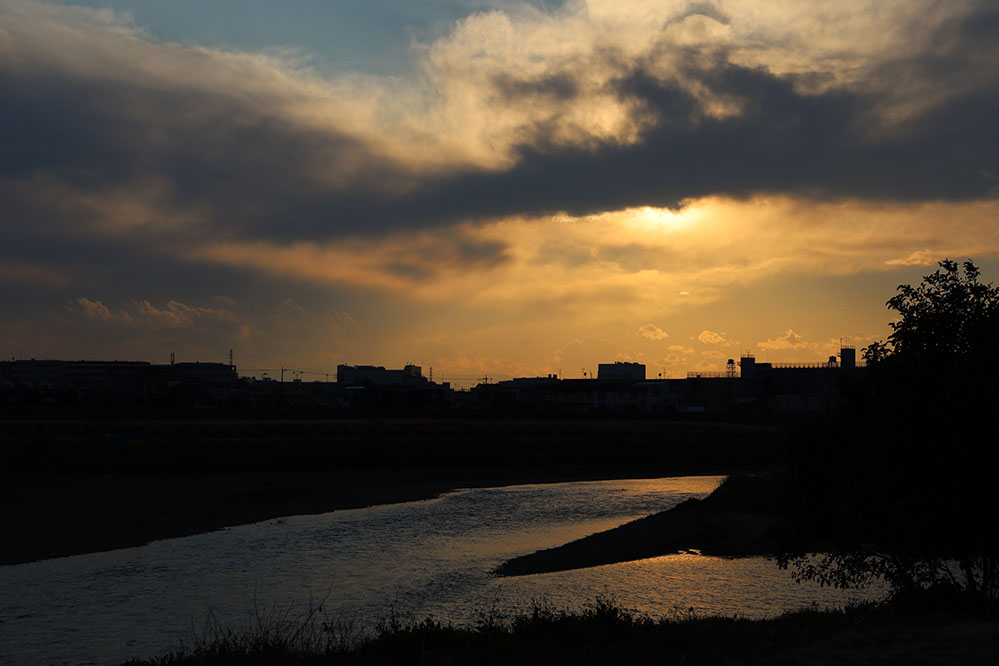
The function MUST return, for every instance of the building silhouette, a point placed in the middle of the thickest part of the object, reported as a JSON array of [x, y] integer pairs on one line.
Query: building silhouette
[[748, 386], [619, 371], [376, 375]]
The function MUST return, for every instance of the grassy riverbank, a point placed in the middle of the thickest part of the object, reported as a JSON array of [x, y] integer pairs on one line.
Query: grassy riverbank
[[67, 490], [941, 632], [740, 518]]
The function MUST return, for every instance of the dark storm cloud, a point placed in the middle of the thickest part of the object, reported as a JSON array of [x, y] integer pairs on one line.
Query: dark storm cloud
[[211, 148], [247, 171], [783, 142], [813, 146]]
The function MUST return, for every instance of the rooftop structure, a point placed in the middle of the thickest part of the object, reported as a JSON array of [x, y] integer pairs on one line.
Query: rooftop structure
[[376, 375], [619, 371]]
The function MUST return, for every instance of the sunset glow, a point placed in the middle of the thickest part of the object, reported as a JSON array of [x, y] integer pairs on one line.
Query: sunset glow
[[519, 189]]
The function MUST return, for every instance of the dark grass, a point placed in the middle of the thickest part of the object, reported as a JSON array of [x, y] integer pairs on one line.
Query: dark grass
[[80, 448], [946, 632]]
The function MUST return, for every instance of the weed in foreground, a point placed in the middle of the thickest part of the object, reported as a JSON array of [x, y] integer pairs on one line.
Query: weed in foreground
[[601, 633]]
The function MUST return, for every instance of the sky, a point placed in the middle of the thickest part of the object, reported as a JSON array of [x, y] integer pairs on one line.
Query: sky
[[488, 188]]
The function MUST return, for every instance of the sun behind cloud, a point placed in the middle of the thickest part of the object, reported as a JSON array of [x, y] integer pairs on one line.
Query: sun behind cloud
[[600, 170]]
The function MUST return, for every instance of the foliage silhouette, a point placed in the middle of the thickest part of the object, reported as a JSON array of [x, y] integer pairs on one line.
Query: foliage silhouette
[[947, 631], [899, 487]]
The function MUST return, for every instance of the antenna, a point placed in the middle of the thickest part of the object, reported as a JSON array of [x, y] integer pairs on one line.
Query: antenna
[[230, 360]]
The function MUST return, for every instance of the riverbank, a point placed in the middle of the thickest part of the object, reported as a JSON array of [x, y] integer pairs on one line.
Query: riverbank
[[68, 489], [57, 517], [929, 632], [737, 520]]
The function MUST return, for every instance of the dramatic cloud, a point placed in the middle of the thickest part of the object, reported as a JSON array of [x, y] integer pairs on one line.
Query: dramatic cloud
[[594, 107], [541, 177]]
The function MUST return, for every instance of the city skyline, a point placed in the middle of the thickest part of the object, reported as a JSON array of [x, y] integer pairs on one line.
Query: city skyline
[[497, 188]]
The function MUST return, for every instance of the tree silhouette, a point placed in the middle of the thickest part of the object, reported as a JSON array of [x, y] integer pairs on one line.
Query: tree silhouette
[[945, 318], [899, 488]]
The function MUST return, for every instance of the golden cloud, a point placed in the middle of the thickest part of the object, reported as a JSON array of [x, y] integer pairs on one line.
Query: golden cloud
[[652, 332], [631, 260], [790, 340], [173, 315], [711, 338]]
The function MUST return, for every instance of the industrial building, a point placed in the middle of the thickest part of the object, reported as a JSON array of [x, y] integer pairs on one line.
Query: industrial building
[[121, 383], [621, 372], [376, 375], [770, 387]]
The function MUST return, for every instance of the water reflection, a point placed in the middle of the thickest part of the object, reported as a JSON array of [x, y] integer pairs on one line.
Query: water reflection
[[419, 558]]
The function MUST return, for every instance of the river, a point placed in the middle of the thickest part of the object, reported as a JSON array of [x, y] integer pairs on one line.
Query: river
[[412, 559]]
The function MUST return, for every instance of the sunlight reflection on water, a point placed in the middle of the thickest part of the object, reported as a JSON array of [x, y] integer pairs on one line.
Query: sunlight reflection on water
[[419, 558]]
